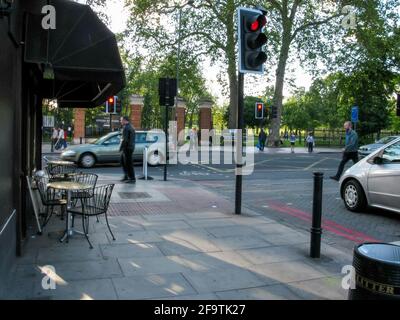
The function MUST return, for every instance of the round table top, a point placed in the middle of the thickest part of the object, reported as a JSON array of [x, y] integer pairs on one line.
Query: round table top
[[61, 163], [69, 185]]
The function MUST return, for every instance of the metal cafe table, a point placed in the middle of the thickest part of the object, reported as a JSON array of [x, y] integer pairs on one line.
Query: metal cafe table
[[60, 170], [69, 187]]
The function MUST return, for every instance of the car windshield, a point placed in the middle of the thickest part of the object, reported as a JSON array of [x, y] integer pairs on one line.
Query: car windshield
[[386, 140]]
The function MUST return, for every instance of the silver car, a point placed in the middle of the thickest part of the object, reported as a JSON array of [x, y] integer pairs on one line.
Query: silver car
[[106, 149], [374, 180], [366, 150]]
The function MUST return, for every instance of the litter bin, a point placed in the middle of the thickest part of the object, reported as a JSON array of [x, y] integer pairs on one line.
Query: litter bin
[[377, 272]]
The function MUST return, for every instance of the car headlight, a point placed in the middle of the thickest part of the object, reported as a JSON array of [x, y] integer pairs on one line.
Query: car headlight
[[69, 153]]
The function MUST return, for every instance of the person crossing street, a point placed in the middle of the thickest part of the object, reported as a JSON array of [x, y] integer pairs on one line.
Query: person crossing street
[[350, 151]]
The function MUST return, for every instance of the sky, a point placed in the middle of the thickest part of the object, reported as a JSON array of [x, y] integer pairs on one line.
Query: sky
[[119, 18]]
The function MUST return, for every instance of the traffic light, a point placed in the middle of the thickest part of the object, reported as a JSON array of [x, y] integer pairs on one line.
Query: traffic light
[[398, 105], [259, 111], [118, 108], [251, 25], [111, 104], [274, 112], [167, 90]]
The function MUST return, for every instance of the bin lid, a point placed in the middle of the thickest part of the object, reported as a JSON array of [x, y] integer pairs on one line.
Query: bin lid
[[381, 251]]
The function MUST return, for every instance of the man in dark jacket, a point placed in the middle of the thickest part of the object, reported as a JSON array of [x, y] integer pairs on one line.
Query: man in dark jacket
[[350, 151], [127, 148]]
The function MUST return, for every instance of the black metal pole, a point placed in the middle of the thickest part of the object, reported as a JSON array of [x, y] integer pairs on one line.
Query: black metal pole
[[239, 146], [166, 142], [316, 230]]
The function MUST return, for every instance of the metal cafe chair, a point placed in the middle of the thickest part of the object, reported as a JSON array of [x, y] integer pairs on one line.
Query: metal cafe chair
[[57, 172], [50, 198], [93, 206], [85, 178]]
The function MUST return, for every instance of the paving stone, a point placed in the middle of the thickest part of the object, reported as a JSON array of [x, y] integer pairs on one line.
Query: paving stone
[[230, 231], [220, 280], [130, 250], [152, 286], [240, 242], [68, 252], [204, 296], [218, 222], [135, 237], [285, 272], [98, 289], [167, 225], [155, 265], [204, 262], [272, 254]]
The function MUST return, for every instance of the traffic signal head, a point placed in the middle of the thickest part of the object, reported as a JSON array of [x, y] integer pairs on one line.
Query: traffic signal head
[[111, 104], [251, 24], [398, 105], [259, 112]]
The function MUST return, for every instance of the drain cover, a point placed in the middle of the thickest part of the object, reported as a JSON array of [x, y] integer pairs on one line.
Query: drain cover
[[134, 195]]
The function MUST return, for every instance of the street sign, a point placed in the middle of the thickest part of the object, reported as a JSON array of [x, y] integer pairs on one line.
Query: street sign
[[48, 121], [354, 114]]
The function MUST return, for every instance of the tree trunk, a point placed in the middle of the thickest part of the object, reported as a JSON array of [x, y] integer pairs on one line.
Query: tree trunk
[[278, 95], [232, 70]]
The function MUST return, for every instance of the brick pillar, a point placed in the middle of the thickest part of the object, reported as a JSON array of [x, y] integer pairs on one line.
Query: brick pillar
[[180, 119], [79, 126], [205, 119], [136, 104]]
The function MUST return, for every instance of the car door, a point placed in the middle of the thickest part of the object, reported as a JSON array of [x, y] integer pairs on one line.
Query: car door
[[384, 178], [140, 143], [110, 151]]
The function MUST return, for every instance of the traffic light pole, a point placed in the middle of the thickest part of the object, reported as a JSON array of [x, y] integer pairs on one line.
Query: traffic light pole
[[239, 146], [166, 142]]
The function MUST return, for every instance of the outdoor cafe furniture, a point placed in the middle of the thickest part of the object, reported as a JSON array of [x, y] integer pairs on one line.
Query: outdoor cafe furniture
[[60, 170], [50, 198], [69, 187], [93, 206]]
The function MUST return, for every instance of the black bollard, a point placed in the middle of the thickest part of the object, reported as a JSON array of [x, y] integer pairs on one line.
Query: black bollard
[[80, 140], [316, 230]]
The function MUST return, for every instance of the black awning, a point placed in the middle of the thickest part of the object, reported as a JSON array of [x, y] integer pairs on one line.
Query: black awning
[[81, 52]]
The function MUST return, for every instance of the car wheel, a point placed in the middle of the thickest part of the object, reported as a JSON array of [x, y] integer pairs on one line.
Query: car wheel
[[354, 197], [87, 160], [154, 159]]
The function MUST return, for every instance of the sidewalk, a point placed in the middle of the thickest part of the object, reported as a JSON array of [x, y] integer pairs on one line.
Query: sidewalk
[[177, 240]]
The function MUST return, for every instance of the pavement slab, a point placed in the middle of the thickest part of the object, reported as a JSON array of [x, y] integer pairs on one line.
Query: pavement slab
[[152, 286]]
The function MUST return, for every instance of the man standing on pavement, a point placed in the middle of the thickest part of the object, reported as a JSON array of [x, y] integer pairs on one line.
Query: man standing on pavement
[[127, 148], [350, 151]]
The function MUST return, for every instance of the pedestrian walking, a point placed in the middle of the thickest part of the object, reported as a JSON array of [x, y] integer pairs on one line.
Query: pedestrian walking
[[54, 138], [61, 137], [262, 138], [350, 151], [65, 140], [127, 148], [292, 139], [310, 142], [193, 139]]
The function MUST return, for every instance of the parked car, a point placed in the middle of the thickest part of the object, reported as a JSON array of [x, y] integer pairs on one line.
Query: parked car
[[374, 180], [366, 150], [106, 149]]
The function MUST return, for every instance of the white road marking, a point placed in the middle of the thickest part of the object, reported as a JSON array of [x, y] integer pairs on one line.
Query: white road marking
[[315, 164]]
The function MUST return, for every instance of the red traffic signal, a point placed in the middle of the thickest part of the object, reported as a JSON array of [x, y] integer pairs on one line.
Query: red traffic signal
[[257, 23], [259, 113], [111, 100], [251, 40]]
